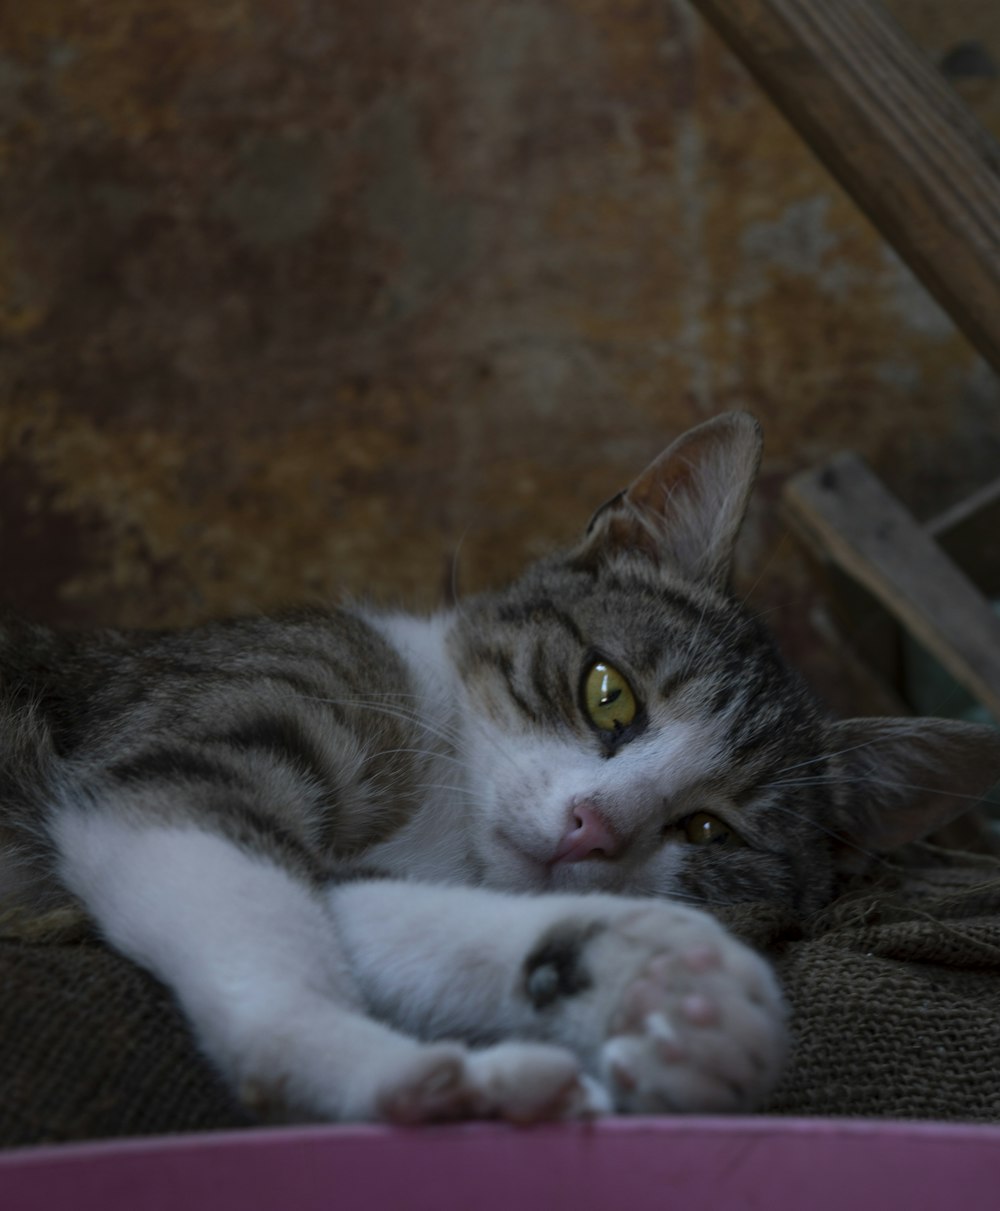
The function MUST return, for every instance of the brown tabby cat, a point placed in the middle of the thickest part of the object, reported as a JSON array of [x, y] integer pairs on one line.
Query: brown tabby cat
[[420, 868]]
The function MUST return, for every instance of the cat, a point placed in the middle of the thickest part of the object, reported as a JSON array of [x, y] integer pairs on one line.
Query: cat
[[462, 866]]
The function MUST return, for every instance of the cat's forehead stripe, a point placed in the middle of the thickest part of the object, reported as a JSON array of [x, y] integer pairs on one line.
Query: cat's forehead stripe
[[550, 680], [677, 681], [504, 663], [664, 596], [540, 609]]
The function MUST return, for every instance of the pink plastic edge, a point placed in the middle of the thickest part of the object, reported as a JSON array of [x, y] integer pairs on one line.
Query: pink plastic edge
[[639, 1164]]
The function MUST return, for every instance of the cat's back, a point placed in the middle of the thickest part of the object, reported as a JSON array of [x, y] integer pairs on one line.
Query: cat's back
[[314, 717], [81, 680]]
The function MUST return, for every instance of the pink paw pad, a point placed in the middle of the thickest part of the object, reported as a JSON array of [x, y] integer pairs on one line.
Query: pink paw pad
[[699, 1010], [701, 958]]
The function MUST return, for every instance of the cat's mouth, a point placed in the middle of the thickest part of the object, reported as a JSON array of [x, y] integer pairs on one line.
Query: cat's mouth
[[520, 870]]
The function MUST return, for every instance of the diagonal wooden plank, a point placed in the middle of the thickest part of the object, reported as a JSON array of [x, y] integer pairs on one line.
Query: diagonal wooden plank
[[892, 132], [846, 513]]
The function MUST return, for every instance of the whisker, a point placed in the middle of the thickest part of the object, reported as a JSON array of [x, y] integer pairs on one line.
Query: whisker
[[769, 559], [866, 781], [448, 735], [456, 602], [422, 752], [829, 756], [464, 791], [834, 834]]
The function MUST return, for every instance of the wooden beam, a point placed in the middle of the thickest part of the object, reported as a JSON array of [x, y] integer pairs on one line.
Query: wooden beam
[[846, 513], [892, 132]]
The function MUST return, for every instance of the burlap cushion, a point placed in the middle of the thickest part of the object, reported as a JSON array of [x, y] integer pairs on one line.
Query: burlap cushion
[[895, 992], [895, 995], [91, 1047]]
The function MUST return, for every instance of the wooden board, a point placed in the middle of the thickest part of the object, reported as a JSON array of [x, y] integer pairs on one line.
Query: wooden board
[[893, 133], [845, 511]]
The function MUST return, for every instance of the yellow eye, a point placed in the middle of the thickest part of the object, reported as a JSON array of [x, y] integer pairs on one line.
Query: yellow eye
[[703, 829], [608, 698]]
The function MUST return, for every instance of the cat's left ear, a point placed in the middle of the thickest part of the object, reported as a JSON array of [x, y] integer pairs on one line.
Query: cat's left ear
[[899, 779], [685, 510]]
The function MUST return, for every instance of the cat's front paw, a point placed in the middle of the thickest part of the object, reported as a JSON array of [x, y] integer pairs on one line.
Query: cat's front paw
[[668, 1010], [701, 1027]]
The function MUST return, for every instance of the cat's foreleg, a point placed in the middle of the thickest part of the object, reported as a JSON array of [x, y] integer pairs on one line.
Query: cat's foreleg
[[663, 1006], [251, 953]]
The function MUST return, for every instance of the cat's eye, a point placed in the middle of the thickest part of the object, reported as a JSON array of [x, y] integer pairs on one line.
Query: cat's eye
[[608, 697], [705, 829]]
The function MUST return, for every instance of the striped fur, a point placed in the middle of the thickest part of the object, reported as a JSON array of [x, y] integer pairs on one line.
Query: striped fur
[[320, 750], [326, 738]]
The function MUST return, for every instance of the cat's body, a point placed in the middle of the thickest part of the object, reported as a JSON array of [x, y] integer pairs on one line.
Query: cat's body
[[326, 832]]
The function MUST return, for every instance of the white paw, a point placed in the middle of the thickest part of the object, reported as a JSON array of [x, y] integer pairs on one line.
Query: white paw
[[528, 1082], [670, 1012], [518, 1082]]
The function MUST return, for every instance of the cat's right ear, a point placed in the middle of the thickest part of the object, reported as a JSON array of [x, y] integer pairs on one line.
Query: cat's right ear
[[685, 510], [899, 779]]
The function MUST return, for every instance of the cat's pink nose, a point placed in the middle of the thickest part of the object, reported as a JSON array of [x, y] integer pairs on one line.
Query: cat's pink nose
[[588, 836]]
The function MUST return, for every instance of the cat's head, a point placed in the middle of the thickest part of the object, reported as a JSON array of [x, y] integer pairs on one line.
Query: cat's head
[[632, 728]]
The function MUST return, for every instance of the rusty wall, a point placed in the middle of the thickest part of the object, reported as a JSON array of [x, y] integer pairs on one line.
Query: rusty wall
[[298, 298]]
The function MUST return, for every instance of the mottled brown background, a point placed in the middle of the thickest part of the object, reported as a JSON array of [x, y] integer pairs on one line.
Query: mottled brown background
[[304, 296]]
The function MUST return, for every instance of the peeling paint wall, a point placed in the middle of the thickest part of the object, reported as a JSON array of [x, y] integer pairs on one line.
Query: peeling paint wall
[[304, 299]]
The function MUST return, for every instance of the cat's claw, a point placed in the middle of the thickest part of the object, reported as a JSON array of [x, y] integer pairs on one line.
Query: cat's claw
[[529, 1082], [431, 1088], [517, 1082]]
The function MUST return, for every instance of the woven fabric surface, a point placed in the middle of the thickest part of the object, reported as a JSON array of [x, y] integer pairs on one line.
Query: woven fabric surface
[[895, 995], [92, 1047]]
